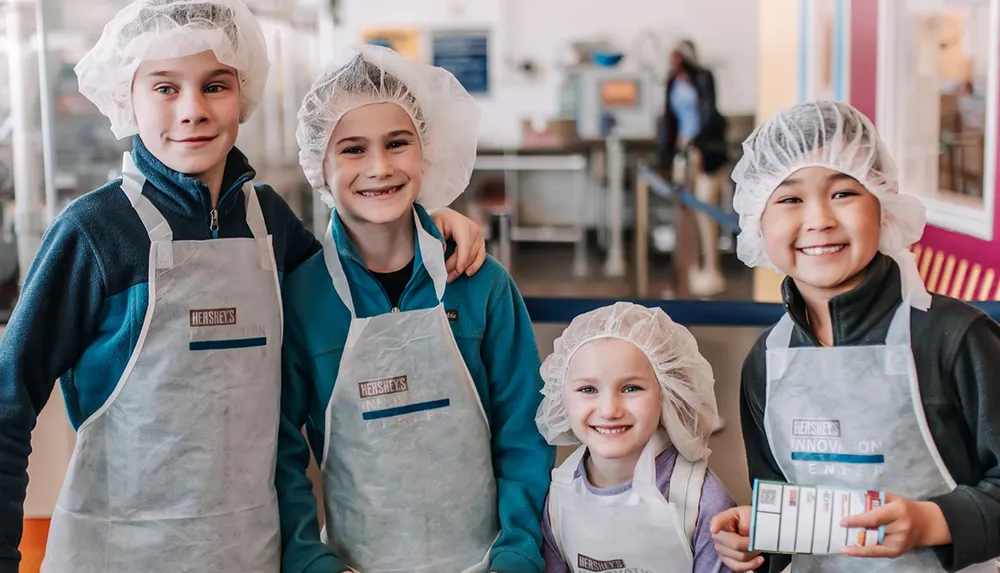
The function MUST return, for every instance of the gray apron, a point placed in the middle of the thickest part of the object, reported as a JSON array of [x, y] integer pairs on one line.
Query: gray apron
[[175, 472], [408, 479], [851, 417]]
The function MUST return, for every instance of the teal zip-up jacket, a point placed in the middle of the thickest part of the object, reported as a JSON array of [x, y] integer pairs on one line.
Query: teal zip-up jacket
[[496, 340]]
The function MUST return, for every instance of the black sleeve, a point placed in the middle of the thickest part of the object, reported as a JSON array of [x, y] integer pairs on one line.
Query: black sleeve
[[760, 461], [973, 511], [668, 136], [707, 107], [753, 391], [297, 243], [301, 243]]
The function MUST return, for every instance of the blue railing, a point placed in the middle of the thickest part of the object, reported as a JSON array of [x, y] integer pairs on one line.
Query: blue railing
[[663, 189], [686, 312], [684, 202]]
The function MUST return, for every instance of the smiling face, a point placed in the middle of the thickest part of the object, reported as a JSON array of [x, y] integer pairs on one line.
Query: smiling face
[[187, 111], [822, 228], [612, 399], [374, 164]]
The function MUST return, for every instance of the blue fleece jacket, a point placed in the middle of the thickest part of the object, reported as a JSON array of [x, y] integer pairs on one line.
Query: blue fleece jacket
[[84, 300], [496, 340]]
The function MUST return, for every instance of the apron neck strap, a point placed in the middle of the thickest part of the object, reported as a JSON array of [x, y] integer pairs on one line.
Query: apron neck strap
[[645, 468], [335, 268], [255, 220], [899, 328], [255, 217], [160, 234], [431, 253], [132, 184], [686, 482], [914, 295], [566, 472], [913, 290], [781, 335]]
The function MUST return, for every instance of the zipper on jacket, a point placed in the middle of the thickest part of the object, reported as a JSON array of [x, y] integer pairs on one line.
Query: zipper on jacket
[[411, 282], [213, 223], [381, 287]]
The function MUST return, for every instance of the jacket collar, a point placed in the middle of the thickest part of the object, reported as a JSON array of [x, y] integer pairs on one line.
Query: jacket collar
[[857, 311], [349, 251], [185, 195]]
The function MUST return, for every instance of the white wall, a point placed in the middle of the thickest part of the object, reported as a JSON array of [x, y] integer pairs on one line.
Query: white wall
[[725, 32], [778, 49]]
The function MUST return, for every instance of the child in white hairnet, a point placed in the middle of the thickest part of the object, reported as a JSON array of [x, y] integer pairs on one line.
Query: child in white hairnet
[[906, 379], [155, 300], [417, 396], [629, 384]]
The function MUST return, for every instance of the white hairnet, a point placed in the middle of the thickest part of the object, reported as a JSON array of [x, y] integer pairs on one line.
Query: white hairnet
[[839, 137], [162, 29], [687, 51], [446, 117], [687, 385]]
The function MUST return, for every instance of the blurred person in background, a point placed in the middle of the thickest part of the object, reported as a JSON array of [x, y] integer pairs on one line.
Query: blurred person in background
[[693, 124]]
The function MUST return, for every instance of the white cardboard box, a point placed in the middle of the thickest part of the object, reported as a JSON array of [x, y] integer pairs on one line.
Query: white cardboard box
[[792, 518]]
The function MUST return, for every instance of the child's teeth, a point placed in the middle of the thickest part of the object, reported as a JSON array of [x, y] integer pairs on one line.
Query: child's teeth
[[377, 193], [610, 430], [822, 250]]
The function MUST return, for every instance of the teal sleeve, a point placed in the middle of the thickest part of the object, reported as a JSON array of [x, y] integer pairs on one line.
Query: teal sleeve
[[522, 460], [302, 550]]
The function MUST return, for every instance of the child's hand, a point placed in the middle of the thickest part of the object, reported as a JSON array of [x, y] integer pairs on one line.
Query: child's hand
[[908, 524], [470, 246], [731, 532]]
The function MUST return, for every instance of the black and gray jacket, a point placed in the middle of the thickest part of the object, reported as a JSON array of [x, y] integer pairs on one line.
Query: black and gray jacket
[[956, 348]]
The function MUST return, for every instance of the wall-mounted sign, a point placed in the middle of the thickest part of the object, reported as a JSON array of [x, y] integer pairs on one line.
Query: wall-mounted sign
[[406, 41], [465, 54]]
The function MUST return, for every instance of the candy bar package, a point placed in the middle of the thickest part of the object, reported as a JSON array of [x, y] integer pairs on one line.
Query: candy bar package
[[789, 518]]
